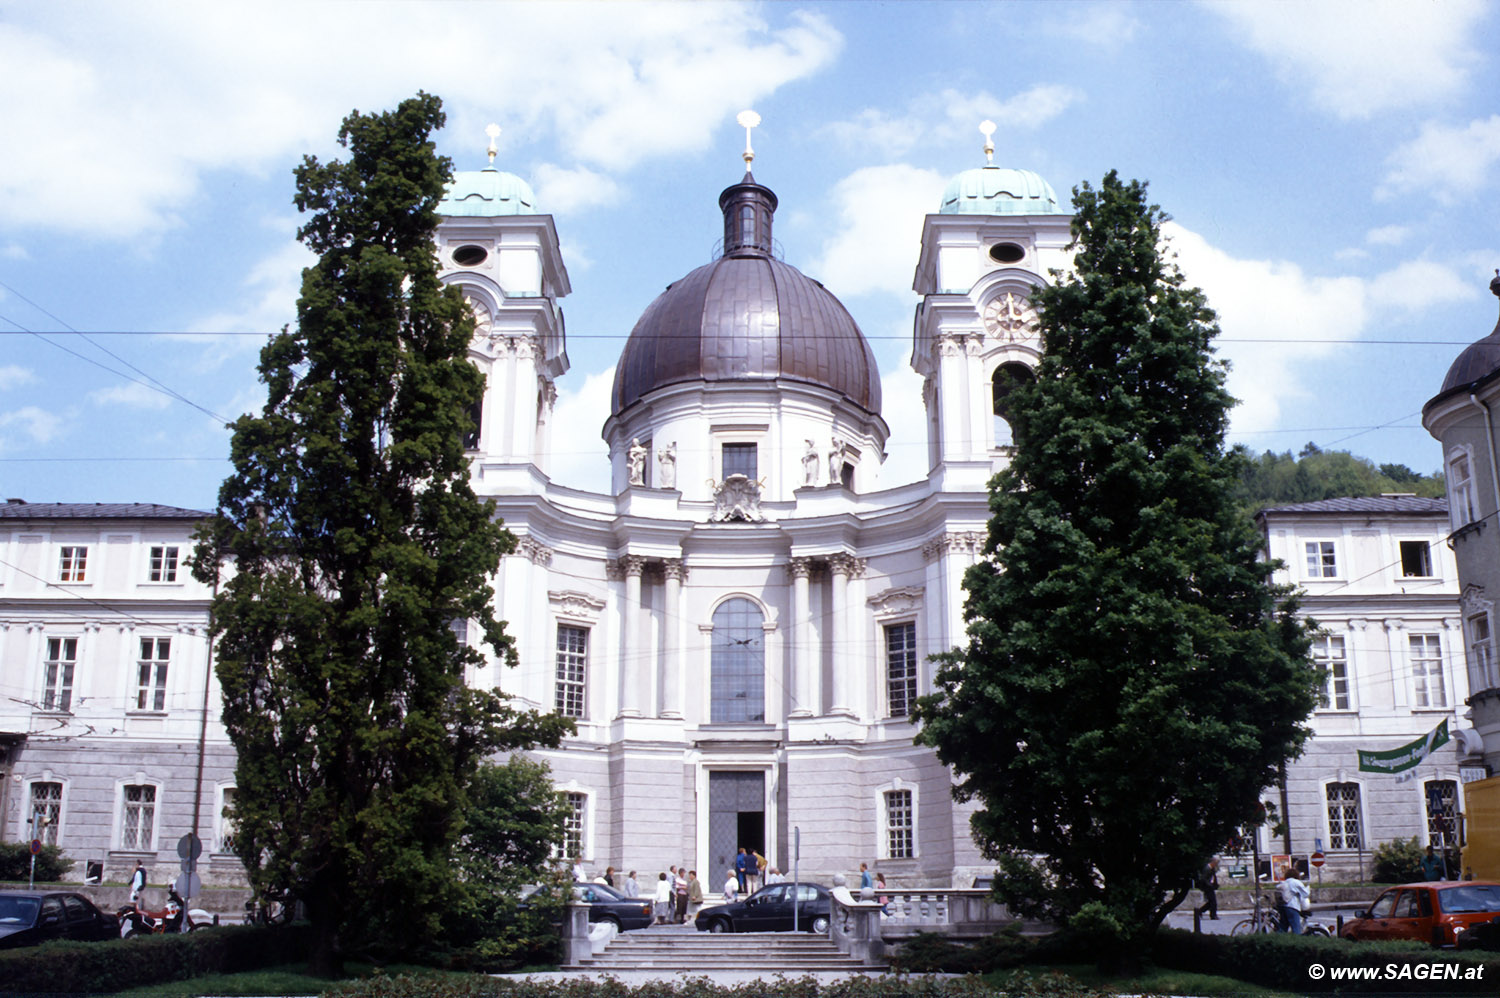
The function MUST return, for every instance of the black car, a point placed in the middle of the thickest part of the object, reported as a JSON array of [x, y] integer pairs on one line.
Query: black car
[[31, 917], [770, 910], [608, 905]]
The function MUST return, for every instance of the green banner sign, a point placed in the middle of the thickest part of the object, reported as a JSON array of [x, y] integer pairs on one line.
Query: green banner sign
[[1406, 757]]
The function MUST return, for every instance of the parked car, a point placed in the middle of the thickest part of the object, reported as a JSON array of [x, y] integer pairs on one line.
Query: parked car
[[1433, 912], [770, 910], [608, 905], [31, 917]]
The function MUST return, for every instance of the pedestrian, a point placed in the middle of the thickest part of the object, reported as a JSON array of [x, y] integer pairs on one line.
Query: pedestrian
[[885, 902], [695, 895], [632, 886], [775, 876], [1208, 883], [731, 887], [609, 876], [742, 870], [580, 875], [663, 899], [137, 882], [1432, 867], [865, 880], [760, 867], [1294, 898], [680, 893]]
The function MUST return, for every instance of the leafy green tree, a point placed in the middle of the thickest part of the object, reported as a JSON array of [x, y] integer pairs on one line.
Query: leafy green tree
[[1131, 680], [356, 543], [514, 820], [1273, 479]]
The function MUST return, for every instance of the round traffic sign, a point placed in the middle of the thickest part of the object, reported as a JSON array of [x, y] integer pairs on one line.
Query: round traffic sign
[[189, 846], [36, 847], [1316, 859], [188, 885]]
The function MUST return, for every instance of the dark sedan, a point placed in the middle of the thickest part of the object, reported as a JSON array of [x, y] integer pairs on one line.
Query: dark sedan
[[31, 917], [770, 910], [608, 905]]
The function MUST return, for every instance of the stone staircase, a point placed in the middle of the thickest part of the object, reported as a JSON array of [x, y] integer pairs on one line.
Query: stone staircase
[[673, 949]]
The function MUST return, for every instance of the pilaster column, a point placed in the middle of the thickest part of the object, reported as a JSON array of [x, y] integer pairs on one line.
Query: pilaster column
[[632, 655], [1397, 655], [671, 620], [841, 566], [804, 658]]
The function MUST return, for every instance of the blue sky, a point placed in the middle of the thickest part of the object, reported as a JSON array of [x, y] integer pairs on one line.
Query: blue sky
[[1331, 169]]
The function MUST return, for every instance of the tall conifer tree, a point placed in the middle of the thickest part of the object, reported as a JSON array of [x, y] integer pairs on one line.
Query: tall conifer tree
[[355, 545], [1131, 679]]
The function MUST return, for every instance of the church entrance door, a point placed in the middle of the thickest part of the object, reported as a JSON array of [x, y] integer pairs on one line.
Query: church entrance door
[[736, 817]]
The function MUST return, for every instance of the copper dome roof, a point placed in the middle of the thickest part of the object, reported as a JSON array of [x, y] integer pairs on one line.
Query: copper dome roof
[[1479, 360], [747, 317]]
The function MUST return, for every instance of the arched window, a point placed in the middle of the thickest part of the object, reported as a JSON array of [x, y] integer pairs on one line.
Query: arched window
[[737, 685], [1006, 379]]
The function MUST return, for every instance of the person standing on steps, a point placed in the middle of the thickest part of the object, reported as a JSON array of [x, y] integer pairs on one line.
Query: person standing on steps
[[695, 895], [632, 886], [680, 894], [662, 902], [731, 887], [742, 869]]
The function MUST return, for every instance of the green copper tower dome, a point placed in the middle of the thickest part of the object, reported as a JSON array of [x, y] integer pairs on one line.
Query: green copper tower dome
[[993, 190], [487, 193]]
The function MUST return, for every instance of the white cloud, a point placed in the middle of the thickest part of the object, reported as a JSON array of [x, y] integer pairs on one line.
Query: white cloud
[[905, 413], [579, 457], [36, 425], [950, 115], [1358, 58], [1388, 235], [12, 375], [1105, 25], [14, 251], [560, 190], [1447, 163], [1418, 284], [271, 287], [131, 396], [143, 99], [871, 251]]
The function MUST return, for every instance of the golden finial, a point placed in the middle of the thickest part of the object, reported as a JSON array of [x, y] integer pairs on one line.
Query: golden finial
[[748, 120], [493, 131], [988, 128]]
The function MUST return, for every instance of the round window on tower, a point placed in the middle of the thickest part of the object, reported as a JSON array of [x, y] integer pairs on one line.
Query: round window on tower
[[470, 256], [1007, 253]]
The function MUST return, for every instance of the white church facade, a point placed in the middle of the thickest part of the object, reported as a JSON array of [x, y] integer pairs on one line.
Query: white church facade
[[739, 627]]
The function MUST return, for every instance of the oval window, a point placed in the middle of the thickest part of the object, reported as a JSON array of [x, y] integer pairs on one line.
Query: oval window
[[1007, 253], [470, 256]]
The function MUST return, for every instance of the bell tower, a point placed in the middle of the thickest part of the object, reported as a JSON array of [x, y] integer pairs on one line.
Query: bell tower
[[505, 257], [984, 252]]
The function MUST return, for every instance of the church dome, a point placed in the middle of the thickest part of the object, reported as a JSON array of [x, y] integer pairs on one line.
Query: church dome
[[991, 190], [747, 317], [487, 193], [1479, 360]]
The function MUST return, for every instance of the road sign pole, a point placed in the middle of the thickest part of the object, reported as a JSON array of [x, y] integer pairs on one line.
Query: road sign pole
[[796, 861]]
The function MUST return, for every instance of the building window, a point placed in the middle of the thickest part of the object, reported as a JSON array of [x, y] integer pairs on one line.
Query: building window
[[73, 564], [572, 669], [740, 459], [46, 812], [164, 564], [1427, 670], [737, 684], [1328, 655], [1461, 492], [138, 820], [901, 667], [227, 825], [151, 674], [1442, 811], [57, 674], [1321, 563], [900, 839], [1416, 559], [1481, 654], [1343, 816], [573, 826]]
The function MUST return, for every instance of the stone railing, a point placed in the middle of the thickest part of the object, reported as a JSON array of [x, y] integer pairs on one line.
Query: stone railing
[[953, 911]]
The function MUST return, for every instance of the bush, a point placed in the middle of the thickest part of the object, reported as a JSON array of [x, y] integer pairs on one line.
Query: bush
[[935, 953], [15, 863], [1049, 986], [108, 967], [1398, 861], [1283, 962]]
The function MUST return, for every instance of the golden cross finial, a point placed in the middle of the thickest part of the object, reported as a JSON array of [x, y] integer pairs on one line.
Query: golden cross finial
[[988, 128], [748, 120], [493, 131]]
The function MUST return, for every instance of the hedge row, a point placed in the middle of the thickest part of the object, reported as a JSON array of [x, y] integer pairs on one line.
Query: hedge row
[[107, 967], [1019, 985], [1304, 964]]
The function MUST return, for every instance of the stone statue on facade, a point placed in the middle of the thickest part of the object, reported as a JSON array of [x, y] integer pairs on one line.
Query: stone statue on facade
[[635, 460], [666, 460], [835, 459], [810, 465]]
